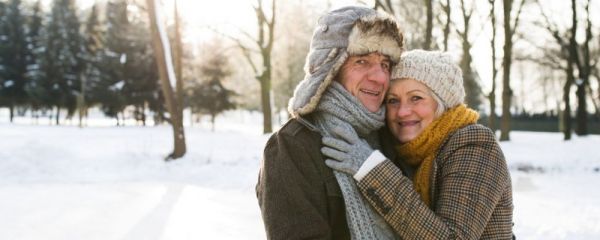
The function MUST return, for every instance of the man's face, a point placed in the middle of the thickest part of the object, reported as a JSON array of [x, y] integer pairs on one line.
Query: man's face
[[367, 78]]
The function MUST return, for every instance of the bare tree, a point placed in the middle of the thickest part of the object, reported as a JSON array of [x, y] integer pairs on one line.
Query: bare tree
[[412, 14], [579, 60], [385, 5], [581, 57], [510, 27], [264, 43], [162, 53], [492, 94], [178, 55], [472, 87], [448, 11], [429, 26], [596, 74], [295, 28]]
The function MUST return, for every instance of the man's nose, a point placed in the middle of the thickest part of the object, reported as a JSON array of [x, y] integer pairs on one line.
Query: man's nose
[[379, 74]]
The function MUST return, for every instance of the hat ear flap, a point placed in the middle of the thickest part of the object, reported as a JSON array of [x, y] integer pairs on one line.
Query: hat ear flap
[[311, 88], [318, 58]]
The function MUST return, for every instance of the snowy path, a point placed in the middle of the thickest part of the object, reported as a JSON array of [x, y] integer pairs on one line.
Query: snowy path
[[110, 183], [126, 211], [556, 206]]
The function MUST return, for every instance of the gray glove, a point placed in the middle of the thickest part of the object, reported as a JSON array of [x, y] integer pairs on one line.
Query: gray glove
[[347, 151]]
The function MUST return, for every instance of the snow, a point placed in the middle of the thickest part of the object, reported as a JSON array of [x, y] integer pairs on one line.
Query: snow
[[117, 86], [104, 182], [8, 83], [165, 43], [123, 58]]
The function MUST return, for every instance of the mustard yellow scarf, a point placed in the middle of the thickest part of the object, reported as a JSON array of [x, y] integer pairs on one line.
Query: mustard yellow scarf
[[421, 151]]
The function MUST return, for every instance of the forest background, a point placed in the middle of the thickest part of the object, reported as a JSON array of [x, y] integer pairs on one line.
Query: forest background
[[528, 64]]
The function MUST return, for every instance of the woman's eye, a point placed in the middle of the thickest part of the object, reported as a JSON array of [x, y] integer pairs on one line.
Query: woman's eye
[[415, 98]]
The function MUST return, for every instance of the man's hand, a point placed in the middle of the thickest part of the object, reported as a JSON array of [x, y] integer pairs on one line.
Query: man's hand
[[347, 151]]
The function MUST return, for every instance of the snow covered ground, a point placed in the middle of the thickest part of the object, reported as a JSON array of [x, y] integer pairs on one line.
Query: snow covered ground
[[102, 182]]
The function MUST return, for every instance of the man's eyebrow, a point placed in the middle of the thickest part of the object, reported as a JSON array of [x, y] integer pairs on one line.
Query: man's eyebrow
[[366, 54], [362, 55]]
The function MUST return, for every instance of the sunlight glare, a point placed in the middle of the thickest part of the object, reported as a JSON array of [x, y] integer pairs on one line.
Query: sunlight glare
[[229, 17]]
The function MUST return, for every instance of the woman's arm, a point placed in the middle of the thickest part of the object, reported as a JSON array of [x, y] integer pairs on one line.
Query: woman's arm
[[472, 176]]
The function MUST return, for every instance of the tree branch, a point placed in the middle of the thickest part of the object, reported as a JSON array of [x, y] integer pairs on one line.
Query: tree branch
[[245, 50], [517, 17], [386, 6]]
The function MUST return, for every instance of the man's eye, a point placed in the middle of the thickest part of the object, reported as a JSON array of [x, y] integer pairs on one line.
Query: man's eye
[[361, 61], [385, 66]]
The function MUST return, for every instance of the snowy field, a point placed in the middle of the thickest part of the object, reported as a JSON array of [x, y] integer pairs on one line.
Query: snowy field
[[103, 182]]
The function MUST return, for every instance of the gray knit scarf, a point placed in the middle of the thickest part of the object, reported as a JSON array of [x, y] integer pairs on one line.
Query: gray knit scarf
[[338, 108]]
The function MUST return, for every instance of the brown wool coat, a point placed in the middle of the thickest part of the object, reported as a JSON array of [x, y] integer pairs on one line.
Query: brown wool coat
[[470, 187], [298, 194]]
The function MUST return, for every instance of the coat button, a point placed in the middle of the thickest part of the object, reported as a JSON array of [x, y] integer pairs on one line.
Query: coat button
[[324, 28]]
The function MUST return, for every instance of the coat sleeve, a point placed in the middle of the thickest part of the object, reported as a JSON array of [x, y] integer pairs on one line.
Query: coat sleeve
[[291, 194], [472, 177]]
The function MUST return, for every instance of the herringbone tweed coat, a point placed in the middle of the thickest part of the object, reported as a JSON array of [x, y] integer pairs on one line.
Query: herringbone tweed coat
[[470, 188]]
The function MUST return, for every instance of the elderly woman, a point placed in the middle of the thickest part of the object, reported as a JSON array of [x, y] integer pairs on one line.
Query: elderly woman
[[448, 178]]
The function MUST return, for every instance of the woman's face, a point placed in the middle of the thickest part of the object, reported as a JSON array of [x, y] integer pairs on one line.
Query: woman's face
[[410, 108]]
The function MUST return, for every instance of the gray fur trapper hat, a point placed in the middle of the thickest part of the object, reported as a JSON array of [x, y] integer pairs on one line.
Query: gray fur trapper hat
[[341, 33]]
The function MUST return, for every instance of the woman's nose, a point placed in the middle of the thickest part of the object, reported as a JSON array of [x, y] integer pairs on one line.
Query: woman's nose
[[404, 110]]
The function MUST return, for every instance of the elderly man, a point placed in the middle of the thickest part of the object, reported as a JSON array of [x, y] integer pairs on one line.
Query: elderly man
[[347, 75]]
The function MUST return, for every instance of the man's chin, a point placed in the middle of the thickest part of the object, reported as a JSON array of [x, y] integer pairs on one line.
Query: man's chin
[[372, 109], [372, 106]]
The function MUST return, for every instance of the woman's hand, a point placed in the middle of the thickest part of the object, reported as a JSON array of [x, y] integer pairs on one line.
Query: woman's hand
[[347, 151]]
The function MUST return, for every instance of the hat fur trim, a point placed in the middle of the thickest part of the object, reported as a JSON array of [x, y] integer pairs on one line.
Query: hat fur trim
[[376, 33], [314, 100]]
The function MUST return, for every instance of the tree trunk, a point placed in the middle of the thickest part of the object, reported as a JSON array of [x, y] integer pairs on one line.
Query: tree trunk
[[11, 108], [581, 115], [144, 115], [57, 115], [506, 90], [567, 122], [163, 60], [265, 41], [212, 122], [492, 95], [585, 70], [448, 10], [81, 100], [178, 59], [472, 88], [265, 93], [429, 29]]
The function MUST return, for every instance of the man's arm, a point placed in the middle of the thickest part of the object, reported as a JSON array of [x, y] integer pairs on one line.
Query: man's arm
[[291, 191]]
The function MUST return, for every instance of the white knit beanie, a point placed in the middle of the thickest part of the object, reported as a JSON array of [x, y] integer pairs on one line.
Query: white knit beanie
[[435, 69], [341, 33]]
